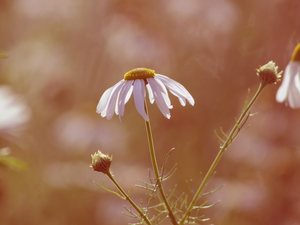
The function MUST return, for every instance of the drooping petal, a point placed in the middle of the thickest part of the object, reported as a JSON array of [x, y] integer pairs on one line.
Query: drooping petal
[[176, 89], [164, 92], [103, 103], [139, 97], [103, 100], [297, 79], [294, 93], [117, 105], [151, 98], [288, 77], [160, 101], [161, 86], [123, 95], [182, 101], [112, 100], [129, 94]]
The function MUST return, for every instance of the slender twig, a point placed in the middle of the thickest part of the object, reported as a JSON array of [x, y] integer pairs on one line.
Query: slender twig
[[218, 157], [155, 168]]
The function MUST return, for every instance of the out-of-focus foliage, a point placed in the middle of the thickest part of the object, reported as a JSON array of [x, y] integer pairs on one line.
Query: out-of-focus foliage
[[3, 55], [10, 162], [64, 54]]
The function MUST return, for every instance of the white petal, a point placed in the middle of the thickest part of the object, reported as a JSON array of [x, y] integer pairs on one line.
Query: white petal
[[160, 85], [103, 100], [117, 105], [123, 95], [151, 98], [294, 93], [112, 100], [139, 97], [182, 101], [163, 91], [176, 89], [160, 100], [103, 103], [288, 77], [129, 94], [297, 80]]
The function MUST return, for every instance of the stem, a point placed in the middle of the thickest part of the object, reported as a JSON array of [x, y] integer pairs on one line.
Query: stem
[[128, 198], [155, 168], [218, 157]]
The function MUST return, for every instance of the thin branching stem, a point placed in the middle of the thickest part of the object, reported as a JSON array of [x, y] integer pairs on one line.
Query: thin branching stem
[[155, 168], [142, 214], [222, 150]]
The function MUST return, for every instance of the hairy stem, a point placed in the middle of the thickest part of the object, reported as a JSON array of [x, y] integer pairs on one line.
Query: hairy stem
[[219, 155], [142, 214], [155, 168]]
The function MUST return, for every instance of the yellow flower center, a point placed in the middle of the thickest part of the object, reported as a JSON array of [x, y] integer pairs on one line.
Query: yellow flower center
[[296, 54], [139, 73]]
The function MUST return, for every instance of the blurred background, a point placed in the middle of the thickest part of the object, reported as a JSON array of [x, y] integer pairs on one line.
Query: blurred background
[[58, 58]]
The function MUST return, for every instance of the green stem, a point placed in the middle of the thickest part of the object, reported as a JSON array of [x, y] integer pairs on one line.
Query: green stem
[[218, 157], [144, 216], [155, 168]]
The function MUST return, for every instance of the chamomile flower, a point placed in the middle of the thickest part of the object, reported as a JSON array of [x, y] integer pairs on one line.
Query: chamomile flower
[[136, 81], [289, 91]]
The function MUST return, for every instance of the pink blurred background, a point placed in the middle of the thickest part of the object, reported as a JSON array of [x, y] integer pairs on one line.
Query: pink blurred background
[[62, 56]]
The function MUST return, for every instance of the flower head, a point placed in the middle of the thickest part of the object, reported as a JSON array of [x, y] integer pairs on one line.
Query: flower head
[[101, 162], [268, 73], [135, 81], [289, 91]]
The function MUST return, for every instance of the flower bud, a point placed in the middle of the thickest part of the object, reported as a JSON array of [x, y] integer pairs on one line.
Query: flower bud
[[101, 162], [268, 74]]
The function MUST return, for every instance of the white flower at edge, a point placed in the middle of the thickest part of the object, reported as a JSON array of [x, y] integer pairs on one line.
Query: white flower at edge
[[136, 81], [14, 113], [289, 91]]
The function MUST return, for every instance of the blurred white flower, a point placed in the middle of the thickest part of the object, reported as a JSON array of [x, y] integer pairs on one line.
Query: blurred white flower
[[14, 112], [289, 91], [115, 98]]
